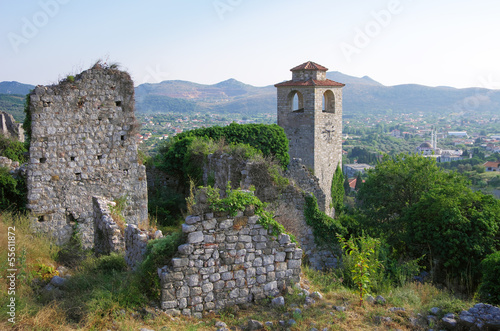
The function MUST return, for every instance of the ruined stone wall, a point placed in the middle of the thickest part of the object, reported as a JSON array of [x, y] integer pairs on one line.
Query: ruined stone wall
[[9, 127], [108, 237], [136, 242], [222, 168], [227, 261], [83, 145], [287, 202]]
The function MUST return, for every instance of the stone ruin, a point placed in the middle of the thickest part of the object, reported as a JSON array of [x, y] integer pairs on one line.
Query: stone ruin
[[227, 261], [83, 145], [9, 127]]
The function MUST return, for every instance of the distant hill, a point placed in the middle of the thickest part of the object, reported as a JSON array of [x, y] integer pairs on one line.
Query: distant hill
[[15, 88], [361, 95], [228, 96]]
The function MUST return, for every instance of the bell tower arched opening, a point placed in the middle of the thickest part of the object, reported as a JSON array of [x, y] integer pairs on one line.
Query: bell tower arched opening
[[295, 101], [329, 102]]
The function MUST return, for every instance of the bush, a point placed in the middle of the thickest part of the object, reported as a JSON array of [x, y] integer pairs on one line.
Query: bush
[[456, 230], [158, 254], [12, 149], [489, 288], [269, 139], [12, 191]]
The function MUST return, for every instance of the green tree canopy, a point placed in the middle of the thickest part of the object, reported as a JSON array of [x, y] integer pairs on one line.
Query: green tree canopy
[[396, 184]]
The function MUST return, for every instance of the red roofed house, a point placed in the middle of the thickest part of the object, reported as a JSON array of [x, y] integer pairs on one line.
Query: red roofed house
[[492, 166]]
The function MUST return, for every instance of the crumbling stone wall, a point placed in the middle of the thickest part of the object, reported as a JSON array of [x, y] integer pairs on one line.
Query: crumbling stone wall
[[227, 261], [108, 237], [9, 127], [222, 168], [83, 145], [136, 242], [288, 203]]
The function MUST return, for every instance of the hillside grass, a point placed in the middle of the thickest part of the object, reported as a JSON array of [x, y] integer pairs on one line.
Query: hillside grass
[[102, 295]]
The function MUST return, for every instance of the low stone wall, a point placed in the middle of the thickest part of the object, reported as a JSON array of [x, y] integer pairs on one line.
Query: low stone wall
[[227, 261], [108, 237]]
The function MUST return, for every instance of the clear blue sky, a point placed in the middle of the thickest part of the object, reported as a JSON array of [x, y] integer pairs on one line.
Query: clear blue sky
[[453, 43]]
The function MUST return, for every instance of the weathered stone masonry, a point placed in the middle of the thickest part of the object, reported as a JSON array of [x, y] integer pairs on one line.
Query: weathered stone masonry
[[227, 261], [82, 145]]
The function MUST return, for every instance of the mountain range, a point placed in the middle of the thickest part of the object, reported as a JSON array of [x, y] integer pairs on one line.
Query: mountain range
[[360, 96]]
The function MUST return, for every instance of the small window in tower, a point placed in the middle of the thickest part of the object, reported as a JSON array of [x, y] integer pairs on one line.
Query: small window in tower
[[43, 160], [99, 156], [118, 103], [122, 137], [72, 158]]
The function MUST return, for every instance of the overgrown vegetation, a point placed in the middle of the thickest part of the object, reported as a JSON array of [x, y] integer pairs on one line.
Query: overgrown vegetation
[[325, 228], [489, 289], [337, 191], [269, 139], [240, 200], [13, 149], [420, 209], [12, 191], [365, 263], [184, 157], [158, 254]]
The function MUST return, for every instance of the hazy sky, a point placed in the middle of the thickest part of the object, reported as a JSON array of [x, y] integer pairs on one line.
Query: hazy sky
[[444, 42]]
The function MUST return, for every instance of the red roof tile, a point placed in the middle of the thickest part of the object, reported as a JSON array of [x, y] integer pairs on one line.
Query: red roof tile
[[310, 82], [309, 65], [491, 164]]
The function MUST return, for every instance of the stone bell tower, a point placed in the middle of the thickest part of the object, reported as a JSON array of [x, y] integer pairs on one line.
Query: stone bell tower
[[310, 112]]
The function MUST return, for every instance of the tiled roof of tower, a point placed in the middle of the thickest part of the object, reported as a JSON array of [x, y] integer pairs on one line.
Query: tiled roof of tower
[[309, 65], [310, 82]]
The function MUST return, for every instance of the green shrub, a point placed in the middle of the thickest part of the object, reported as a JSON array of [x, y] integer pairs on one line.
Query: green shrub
[[158, 254], [12, 191], [238, 200], [12, 149], [362, 254], [489, 288]]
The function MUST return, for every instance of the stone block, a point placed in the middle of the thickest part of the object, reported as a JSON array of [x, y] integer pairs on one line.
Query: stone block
[[195, 237], [190, 220]]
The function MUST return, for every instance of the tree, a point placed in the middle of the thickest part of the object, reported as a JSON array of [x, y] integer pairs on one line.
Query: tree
[[337, 191], [454, 228], [395, 185], [359, 182], [347, 187]]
